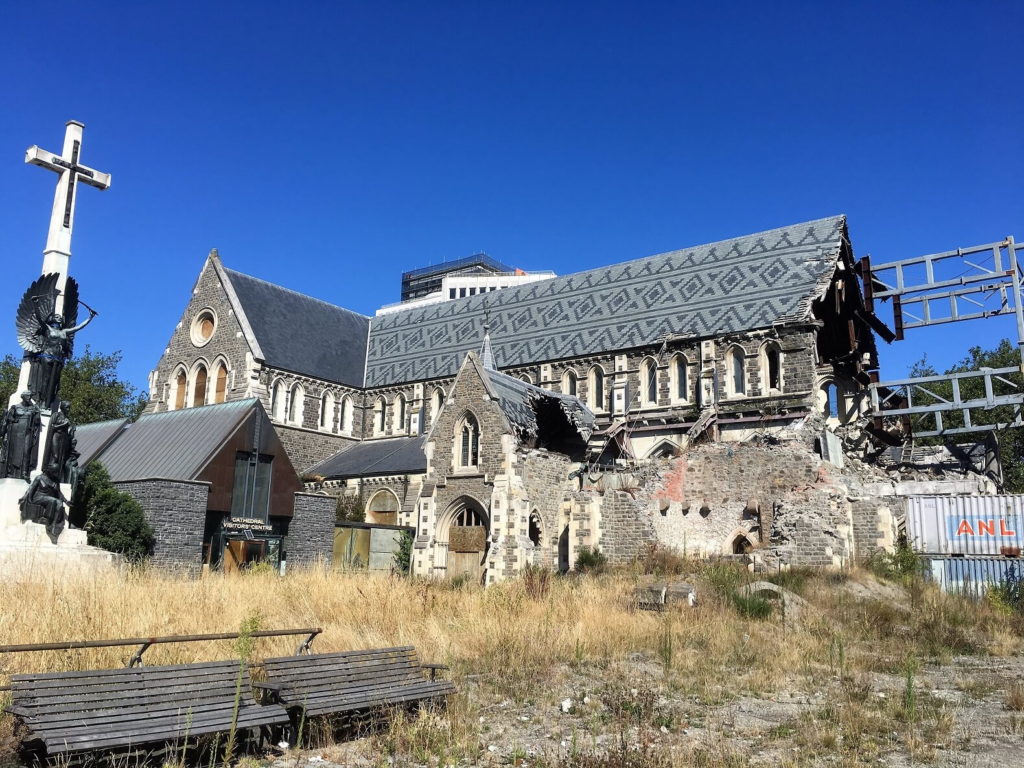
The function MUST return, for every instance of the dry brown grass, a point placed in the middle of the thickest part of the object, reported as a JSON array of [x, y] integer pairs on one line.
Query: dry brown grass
[[1015, 697], [515, 639]]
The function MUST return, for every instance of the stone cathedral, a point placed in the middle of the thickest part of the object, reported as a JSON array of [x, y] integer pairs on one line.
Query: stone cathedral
[[494, 411]]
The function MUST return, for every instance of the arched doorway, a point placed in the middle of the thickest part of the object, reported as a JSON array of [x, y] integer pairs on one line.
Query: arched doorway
[[382, 508], [464, 531], [563, 551]]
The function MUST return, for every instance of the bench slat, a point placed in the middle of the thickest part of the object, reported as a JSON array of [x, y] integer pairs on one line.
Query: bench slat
[[332, 705], [182, 702], [102, 722], [41, 676], [129, 677]]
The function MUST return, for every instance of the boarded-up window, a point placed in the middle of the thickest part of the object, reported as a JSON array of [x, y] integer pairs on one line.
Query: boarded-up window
[[569, 385], [199, 391], [774, 371], [650, 382], [180, 385], [739, 371], [222, 384]]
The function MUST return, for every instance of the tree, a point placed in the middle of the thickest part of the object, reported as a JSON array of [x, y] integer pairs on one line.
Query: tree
[[113, 519], [1011, 441], [90, 383]]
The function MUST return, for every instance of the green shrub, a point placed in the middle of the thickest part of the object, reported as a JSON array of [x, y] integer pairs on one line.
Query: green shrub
[[114, 520], [403, 556], [350, 509], [904, 564], [590, 560], [752, 606]]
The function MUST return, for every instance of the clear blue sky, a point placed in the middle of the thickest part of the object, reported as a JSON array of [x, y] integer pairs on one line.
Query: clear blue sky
[[329, 146]]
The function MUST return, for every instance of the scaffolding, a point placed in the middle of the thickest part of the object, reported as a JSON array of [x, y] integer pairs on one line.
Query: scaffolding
[[988, 285]]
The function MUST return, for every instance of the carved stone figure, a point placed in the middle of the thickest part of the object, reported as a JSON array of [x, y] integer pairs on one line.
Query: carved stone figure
[[46, 335], [61, 446], [20, 434], [44, 503]]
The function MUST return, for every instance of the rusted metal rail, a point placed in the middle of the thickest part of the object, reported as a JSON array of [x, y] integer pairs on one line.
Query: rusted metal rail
[[144, 643]]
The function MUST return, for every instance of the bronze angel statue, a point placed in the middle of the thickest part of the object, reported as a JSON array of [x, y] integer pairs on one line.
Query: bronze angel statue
[[48, 336]]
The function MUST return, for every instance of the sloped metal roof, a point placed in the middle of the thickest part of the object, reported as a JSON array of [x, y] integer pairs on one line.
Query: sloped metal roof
[[394, 456], [726, 287], [302, 334], [93, 438], [174, 445]]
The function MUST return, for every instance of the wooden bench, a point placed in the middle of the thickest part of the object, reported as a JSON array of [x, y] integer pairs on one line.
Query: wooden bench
[[126, 709], [351, 681]]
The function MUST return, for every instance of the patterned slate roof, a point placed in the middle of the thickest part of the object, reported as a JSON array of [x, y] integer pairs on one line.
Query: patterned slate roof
[[731, 286], [301, 334], [395, 456], [173, 445]]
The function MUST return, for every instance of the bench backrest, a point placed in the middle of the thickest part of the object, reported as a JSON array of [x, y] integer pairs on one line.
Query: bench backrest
[[386, 666], [177, 687]]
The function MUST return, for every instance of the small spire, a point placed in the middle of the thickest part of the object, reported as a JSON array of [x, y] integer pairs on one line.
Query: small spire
[[485, 350]]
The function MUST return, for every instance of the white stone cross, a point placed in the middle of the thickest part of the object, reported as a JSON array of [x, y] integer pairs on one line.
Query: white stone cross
[[58, 240]]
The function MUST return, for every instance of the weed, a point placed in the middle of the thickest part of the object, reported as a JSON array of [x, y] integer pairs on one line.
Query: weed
[[909, 694], [537, 581], [1015, 697], [591, 560], [752, 606]]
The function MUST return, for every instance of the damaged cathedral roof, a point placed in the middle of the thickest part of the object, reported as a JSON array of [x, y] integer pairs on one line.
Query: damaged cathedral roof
[[731, 286]]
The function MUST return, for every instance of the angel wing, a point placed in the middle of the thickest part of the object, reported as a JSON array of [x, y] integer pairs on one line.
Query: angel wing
[[30, 330], [70, 308]]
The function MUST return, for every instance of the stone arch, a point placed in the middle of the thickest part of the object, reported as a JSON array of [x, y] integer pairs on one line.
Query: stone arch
[[179, 390], [463, 532], [199, 383], [649, 381], [596, 396], [525, 377], [220, 379], [570, 382], [535, 528], [736, 371], [466, 445], [327, 411], [663, 449], [832, 400], [436, 403], [278, 399], [296, 404], [382, 507], [400, 414], [679, 378], [345, 415], [738, 543], [380, 415], [771, 367]]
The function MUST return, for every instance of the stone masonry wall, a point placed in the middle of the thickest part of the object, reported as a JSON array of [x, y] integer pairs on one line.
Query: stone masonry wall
[[311, 531], [545, 478], [227, 344], [176, 510], [306, 447]]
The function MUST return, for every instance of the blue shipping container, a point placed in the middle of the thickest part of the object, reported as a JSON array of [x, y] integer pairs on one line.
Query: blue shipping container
[[971, 575]]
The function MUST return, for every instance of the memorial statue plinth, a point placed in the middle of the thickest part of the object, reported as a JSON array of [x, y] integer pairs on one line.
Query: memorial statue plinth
[[28, 552]]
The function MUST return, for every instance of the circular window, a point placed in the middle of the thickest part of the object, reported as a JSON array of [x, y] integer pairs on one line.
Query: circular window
[[203, 326]]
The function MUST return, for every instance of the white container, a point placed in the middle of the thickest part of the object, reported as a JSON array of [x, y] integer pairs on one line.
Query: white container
[[966, 525]]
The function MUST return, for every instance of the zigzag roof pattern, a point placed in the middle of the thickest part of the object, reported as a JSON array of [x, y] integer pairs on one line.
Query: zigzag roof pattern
[[731, 286]]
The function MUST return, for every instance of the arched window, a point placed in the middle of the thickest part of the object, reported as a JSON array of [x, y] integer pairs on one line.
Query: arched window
[[771, 367], [649, 382], [296, 404], [536, 528], [382, 508], [569, 382], [199, 387], [595, 389], [399, 415], [833, 401], [327, 412], [345, 416], [180, 390], [221, 389], [436, 402], [380, 415], [467, 447], [737, 372], [277, 398], [680, 379]]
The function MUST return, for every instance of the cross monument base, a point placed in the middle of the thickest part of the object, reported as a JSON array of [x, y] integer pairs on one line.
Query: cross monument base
[[28, 553]]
